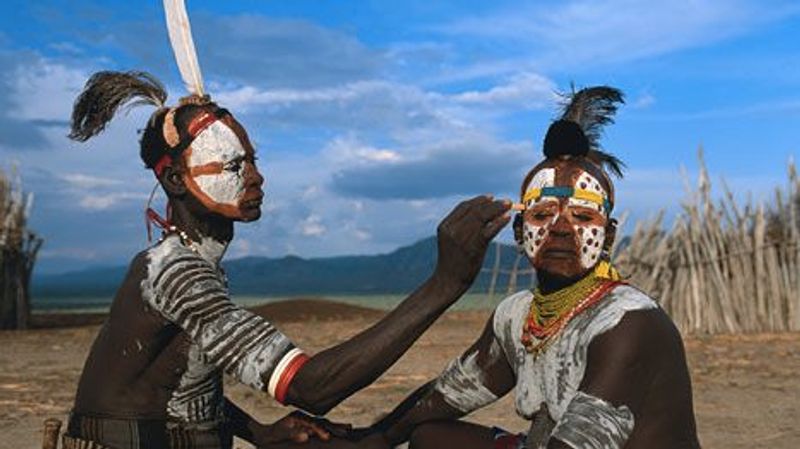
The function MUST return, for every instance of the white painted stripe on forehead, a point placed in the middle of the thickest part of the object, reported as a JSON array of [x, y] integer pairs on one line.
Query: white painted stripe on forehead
[[217, 143]]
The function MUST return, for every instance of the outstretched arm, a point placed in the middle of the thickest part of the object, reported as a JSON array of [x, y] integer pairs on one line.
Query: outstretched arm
[[475, 379], [336, 373]]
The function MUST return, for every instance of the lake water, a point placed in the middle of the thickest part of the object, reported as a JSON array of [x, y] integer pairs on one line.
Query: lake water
[[384, 302]]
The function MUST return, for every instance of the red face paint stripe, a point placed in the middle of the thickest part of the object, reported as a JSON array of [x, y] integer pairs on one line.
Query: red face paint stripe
[[200, 123], [287, 376], [162, 163], [212, 168]]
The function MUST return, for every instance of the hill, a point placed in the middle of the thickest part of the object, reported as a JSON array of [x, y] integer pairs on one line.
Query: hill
[[399, 271]]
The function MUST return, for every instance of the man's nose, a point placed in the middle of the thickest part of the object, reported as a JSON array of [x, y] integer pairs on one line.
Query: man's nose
[[562, 226], [253, 177]]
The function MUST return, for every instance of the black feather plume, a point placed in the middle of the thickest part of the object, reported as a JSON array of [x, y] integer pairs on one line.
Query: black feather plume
[[592, 108], [105, 92], [607, 160]]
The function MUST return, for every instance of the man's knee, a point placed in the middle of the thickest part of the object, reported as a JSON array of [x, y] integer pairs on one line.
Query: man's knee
[[426, 436]]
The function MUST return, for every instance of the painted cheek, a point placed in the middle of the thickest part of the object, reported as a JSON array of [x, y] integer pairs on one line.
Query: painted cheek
[[591, 240], [533, 236], [223, 188], [218, 144]]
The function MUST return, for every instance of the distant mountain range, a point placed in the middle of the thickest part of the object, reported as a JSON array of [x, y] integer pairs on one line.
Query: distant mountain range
[[400, 271]]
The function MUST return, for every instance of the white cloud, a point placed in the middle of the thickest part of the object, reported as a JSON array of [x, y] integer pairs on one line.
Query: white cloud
[[312, 226], [45, 89], [83, 181], [108, 200], [599, 32], [526, 90], [643, 101]]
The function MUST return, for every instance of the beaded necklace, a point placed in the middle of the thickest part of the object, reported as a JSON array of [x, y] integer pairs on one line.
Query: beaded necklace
[[550, 313]]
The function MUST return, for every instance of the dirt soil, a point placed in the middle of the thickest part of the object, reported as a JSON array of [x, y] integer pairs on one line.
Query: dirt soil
[[747, 391]]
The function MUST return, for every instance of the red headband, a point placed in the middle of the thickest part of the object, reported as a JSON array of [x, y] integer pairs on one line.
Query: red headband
[[196, 126]]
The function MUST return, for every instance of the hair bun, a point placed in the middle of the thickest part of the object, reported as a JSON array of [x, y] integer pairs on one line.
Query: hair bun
[[565, 137]]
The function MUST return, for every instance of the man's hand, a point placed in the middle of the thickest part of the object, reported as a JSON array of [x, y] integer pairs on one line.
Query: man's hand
[[298, 427], [464, 236]]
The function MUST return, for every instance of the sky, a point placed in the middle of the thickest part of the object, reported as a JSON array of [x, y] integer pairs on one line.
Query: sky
[[372, 119]]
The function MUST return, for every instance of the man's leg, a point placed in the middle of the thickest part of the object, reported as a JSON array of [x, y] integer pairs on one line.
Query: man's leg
[[375, 441], [456, 434]]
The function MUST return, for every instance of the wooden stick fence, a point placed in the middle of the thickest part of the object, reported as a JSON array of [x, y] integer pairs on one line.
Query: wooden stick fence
[[18, 249]]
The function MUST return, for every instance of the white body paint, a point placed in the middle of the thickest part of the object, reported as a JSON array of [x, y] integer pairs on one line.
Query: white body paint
[[554, 376], [591, 237], [218, 143], [185, 286], [462, 382]]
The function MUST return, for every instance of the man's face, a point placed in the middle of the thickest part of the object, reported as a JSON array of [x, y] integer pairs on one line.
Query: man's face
[[221, 171], [564, 236]]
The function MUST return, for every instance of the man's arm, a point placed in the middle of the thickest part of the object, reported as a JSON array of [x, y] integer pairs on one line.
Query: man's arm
[[336, 373], [478, 377]]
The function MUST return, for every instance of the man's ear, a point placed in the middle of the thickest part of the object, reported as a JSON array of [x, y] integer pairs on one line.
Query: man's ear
[[517, 227], [172, 181], [611, 235]]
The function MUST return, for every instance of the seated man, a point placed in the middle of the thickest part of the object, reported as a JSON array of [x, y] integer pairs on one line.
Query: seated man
[[595, 363], [153, 377]]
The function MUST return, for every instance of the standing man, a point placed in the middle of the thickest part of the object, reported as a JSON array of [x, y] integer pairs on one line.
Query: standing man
[[595, 363]]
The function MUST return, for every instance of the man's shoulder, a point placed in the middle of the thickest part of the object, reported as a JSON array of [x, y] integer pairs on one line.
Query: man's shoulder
[[168, 253], [511, 305], [642, 332]]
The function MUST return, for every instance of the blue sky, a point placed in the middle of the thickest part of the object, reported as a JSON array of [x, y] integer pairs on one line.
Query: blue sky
[[373, 118]]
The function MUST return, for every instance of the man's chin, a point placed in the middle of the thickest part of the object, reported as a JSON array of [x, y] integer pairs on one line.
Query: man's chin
[[250, 215], [561, 269]]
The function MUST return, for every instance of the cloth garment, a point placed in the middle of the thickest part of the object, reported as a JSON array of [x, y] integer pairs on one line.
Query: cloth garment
[[504, 439], [88, 432]]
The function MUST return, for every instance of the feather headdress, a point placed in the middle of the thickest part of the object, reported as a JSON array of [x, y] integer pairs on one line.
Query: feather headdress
[[180, 36], [105, 92], [578, 130]]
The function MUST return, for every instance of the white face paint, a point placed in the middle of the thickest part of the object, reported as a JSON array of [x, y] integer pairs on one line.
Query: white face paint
[[590, 233], [216, 156], [533, 235], [590, 236]]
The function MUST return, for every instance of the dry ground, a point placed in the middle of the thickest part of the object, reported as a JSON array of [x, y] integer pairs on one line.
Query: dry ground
[[747, 394]]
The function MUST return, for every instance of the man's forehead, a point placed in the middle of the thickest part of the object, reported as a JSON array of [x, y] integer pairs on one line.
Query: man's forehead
[[569, 175], [218, 142]]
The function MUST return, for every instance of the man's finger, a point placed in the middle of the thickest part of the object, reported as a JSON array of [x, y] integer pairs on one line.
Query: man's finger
[[466, 206], [317, 430], [300, 437], [335, 429], [490, 230], [493, 210]]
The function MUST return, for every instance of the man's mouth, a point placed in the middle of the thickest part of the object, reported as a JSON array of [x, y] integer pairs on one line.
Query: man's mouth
[[253, 201], [559, 253]]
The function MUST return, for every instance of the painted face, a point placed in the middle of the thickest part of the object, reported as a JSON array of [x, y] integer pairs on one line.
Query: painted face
[[565, 236], [221, 170]]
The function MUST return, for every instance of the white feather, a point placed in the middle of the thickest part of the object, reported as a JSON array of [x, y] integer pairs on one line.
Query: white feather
[[180, 36]]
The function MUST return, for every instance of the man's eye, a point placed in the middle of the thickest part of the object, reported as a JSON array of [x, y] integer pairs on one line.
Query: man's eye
[[541, 215], [582, 217], [234, 166]]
